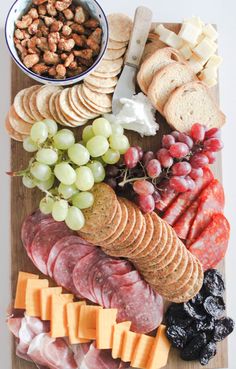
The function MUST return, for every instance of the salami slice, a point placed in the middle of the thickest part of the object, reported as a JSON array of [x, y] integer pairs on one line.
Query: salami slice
[[183, 224], [65, 264], [167, 197], [211, 245], [44, 240], [211, 201], [99, 359], [184, 200]]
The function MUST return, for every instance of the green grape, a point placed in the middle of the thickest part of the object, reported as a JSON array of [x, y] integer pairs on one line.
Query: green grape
[[97, 170], [102, 127], [60, 210], [83, 200], [29, 145], [67, 191], [40, 171], [117, 129], [28, 181], [75, 218], [78, 154], [46, 185], [119, 142], [111, 156], [39, 132], [46, 205], [97, 146], [64, 139], [65, 173], [52, 127], [84, 178], [87, 133], [47, 156]]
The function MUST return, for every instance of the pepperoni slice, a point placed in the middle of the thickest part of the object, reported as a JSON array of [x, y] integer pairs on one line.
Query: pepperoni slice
[[183, 224]]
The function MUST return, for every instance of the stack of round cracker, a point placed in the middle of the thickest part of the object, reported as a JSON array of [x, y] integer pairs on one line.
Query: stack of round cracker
[[119, 227]]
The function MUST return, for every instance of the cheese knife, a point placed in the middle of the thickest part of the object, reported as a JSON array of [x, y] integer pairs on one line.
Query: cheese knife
[[126, 84]]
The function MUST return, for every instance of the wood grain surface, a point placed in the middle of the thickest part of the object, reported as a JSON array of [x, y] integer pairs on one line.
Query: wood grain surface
[[25, 201]]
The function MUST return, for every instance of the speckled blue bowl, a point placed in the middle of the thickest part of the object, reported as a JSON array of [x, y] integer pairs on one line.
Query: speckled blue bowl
[[20, 7]]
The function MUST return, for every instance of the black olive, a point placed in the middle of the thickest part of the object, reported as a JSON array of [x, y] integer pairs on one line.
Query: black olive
[[194, 311], [213, 282], [192, 350], [207, 353], [214, 306], [177, 336], [223, 328]]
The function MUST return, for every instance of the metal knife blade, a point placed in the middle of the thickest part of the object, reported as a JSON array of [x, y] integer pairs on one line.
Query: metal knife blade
[[124, 88]]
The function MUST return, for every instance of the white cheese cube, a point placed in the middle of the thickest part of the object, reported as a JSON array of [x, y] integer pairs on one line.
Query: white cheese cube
[[161, 30], [196, 21], [208, 74], [210, 32], [210, 82], [171, 39], [214, 61], [190, 33], [186, 51], [194, 64], [205, 49]]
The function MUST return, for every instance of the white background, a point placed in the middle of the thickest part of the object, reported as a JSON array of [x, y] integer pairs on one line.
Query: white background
[[222, 13]]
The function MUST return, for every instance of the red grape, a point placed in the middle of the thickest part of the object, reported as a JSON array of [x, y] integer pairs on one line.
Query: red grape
[[179, 150], [211, 156], [199, 160], [111, 182], [164, 157], [131, 157], [175, 134], [196, 173], [213, 144], [197, 132], [112, 171], [156, 196], [167, 141], [147, 156], [191, 183], [179, 184], [181, 169], [142, 187], [212, 133], [146, 203], [186, 139], [153, 168], [140, 151]]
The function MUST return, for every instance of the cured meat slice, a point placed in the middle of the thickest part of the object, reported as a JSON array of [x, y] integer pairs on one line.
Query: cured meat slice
[[99, 359], [44, 240], [58, 353], [167, 197], [65, 263], [183, 224], [211, 245], [211, 201], [140, 304], [184, 200]]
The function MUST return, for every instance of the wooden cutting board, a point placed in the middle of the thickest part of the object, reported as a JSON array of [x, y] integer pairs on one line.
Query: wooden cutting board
[[25, 201]]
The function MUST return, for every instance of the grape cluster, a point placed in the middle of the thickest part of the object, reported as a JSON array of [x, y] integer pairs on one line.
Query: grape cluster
[[66, 170], [177, 164]]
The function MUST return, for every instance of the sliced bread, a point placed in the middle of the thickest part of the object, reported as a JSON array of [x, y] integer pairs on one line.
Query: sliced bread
[[192, 103], [155, 62], [166, 80], [150, 48]]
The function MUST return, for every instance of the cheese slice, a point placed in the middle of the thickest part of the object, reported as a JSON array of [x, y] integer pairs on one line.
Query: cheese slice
[[73, 313], [186, 51], [195, 64], [59, 325], [142, 351], [32, 296], [118, 333], [21, 288], [196, 21], [106, 319], [205, 49], [87, 321], [171, 39], [208, 73], [190, 32], [214, 61], [161, 30], [160, 350], [210, 32], [46, 301], [130, 341]]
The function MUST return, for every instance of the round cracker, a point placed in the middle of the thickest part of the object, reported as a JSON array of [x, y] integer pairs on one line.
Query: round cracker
[[120, 27], [12, 132], [18, 124], [115, 45], [109, 66], [89, 104], [33, 106], [147, 237], [137, 242], [53, 109], [107, 74], [67, 110], [101, 82], [112, 54], [19, 107], [100, 90], [61, 116], [78, 105], [101, 100], [26, 98], [43, 97]]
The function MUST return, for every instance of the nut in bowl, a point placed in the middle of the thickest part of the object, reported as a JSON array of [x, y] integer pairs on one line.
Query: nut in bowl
[[57, 42]]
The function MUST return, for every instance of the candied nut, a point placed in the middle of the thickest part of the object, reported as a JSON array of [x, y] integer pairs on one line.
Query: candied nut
[[62, 5], [39, 34], [69, 60], [32, 42], [56, 26], [51, 9], [86, 62], [42, 10], [66, 45], [96, 36], [69, 15], [79, 40], [39, 2], [44, 29], [75, 72], [42, 43], [52, 72], [33, 13], [25, 22], [78, 28], [94, 46], [85, 54], [81, 15], [19, 34], [60, 70], [66, 31], [48, 21], [33, 28], [64, 56], [24, 43], [53, 39], [22, 50], [91, 23], [31, 60], [73, 65], [51, 58], [40, 68]]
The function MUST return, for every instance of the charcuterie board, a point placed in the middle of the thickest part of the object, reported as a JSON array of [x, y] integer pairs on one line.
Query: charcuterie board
[[23, 202]]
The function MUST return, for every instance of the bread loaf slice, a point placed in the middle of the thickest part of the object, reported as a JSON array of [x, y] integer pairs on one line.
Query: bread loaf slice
[[155, 62], [166, 81], [192, 103]]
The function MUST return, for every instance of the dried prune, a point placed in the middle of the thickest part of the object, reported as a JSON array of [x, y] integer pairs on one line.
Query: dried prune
[[177, 336], [175, 315], [194, 311], [213, 282], [191, 332], [207, 353], [206, 325], [214, 306], [198, 299], [192, 350], [223, 328]]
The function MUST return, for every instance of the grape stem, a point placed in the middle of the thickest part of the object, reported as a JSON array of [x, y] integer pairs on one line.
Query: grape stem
[[20, 173], [123, 183]]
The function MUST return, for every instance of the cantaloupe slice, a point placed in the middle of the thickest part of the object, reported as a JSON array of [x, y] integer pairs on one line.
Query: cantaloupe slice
[[130, 341], [160, 350], [106, 318], [21, 289], [46, 301], [73, 313], [59, 327], [118, 332], [87, 321], [142, 351], [32, 296]]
